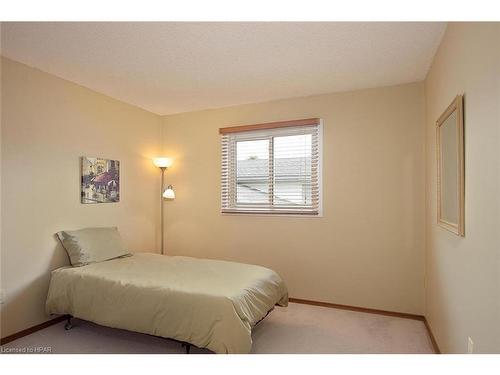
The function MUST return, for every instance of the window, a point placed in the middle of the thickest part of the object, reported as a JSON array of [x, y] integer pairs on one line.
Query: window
[[272, 168]]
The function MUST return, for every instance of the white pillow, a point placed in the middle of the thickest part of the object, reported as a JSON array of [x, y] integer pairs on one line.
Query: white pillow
[[92, 245]]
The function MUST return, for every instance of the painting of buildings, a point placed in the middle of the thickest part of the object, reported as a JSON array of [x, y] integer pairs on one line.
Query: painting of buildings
[[100, 182]]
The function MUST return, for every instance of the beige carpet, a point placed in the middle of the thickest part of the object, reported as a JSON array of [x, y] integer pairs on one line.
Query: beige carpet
[[295, 329]]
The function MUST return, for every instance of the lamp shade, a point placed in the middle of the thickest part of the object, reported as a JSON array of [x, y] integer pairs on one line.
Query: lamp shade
[[169, 193], [162, 162]]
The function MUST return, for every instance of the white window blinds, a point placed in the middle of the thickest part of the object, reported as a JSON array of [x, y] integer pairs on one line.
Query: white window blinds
[[272, 168]]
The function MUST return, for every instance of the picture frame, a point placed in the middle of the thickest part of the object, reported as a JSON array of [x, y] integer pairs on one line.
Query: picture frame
[[450, 152], [100, 180]]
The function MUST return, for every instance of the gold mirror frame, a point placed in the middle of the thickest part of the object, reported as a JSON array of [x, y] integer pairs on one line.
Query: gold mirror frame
[[459, 227]]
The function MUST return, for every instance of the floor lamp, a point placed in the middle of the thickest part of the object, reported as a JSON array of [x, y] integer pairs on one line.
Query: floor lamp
[[168, 194]]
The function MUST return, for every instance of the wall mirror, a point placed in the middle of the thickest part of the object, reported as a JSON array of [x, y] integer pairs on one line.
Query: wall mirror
[[450, 168]]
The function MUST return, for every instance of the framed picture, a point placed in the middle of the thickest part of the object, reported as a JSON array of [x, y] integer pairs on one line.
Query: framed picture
[[450, 168], [100, 182]]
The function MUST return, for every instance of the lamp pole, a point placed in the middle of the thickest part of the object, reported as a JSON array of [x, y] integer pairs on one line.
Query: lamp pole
[[161, 206]]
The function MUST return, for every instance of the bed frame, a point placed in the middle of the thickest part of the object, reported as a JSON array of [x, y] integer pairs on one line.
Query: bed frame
[[187, 345]]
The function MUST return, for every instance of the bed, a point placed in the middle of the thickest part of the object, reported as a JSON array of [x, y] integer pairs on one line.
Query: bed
[[207, 303]]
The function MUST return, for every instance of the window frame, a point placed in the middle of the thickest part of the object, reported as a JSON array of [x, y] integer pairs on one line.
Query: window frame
[[272, 209]]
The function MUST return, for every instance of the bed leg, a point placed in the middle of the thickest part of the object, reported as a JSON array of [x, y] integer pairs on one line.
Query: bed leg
[[68, 324], [188, 347]]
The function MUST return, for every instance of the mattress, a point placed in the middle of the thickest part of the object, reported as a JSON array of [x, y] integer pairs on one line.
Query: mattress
[[209, 303]]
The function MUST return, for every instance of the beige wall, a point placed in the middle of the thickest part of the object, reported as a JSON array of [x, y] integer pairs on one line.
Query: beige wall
[[462, 274], [47, 124], [367, 249]]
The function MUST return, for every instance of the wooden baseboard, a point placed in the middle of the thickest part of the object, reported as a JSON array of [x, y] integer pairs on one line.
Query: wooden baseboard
[[31, 330], [431, 335], [359, 309], [374, 311]]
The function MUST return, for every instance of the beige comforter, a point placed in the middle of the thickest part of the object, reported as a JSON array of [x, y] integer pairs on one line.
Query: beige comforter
[[211, 304]]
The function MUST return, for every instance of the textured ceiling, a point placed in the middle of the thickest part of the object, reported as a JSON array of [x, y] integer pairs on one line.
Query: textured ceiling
[[170, 67]]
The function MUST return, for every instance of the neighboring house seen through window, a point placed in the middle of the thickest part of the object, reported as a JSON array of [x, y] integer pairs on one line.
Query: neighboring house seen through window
[[272, 168]]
